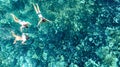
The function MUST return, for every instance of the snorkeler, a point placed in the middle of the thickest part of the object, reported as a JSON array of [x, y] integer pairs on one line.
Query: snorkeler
[[38, 12], [22, 38], [23, 24]]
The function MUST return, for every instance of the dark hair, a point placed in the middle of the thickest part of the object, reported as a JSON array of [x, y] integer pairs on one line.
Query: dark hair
[[43, 20], [26, 26], [27, 37]]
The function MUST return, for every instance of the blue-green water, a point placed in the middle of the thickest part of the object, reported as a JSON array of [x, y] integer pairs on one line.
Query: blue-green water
[[83, 33]]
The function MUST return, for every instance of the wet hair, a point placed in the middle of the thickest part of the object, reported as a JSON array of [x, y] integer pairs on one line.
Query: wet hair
[[43, 20], [26, 26], [27, 37]]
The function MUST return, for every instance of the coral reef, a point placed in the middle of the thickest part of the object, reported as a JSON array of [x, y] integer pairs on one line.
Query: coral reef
[[83, 33]]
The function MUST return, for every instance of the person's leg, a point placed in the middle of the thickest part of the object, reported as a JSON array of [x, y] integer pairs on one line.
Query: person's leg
[[38, 8], [35, 8], [13, 34], [14, 18], [14, 41]]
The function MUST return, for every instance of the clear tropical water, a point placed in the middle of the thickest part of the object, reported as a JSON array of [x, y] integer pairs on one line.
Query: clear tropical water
[[83, 33]]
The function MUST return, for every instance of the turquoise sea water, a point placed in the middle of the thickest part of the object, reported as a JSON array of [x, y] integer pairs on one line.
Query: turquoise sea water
[[83, 33]]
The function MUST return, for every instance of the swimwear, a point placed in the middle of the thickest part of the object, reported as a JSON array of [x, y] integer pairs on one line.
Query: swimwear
[[39, 15], [24, 37], [23, 23]]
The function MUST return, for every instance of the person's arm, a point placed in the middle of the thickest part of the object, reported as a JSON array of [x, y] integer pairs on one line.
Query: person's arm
[[39, 22], [48, 20], [28, 23], [21, 28], [23, 42]]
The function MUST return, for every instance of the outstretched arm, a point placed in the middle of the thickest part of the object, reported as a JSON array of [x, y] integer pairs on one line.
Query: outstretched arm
[[48, 20], [21, 28], [29, 23], [39, 22]]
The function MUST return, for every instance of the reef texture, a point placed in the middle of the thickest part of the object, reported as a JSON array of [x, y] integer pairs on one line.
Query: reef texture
[[83, 33]]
